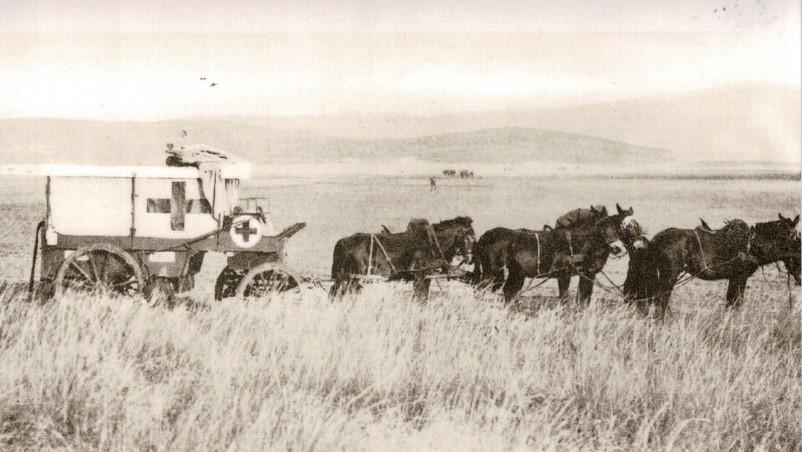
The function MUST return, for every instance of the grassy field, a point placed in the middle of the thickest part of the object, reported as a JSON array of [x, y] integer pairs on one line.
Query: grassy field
[[379, 372]]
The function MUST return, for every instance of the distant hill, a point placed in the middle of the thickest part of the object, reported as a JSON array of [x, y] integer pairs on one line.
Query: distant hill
[[736, 122], [519, 144], [56, 140], [741, 123]]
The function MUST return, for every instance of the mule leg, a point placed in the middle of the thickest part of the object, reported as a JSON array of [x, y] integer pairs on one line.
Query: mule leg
[[585, 289], [335, 292], [354, 286], [665, 286], [421, 288], [563, 283], [642, 304], [513, 285], [635, 278], [735, 291], [498, 281]]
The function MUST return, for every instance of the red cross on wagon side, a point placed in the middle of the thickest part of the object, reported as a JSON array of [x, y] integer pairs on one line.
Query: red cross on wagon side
[[129, 230]]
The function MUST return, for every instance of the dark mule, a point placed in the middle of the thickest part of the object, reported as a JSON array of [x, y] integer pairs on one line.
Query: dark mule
[[734, 253], [490, 251], [629, 232], [592, 242], [548, 254], [490, 255], [408, 256]]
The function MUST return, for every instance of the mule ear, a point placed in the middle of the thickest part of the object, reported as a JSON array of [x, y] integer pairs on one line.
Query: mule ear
[[630, 211], [593, 209], [780, 216], [795, 221], [705, 225], [620, 210]]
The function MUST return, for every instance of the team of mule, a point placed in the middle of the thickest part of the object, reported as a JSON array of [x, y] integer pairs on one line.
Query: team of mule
[[579, 244]]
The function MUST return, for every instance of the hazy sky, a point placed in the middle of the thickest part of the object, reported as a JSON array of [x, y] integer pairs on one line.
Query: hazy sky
[[91, 60]]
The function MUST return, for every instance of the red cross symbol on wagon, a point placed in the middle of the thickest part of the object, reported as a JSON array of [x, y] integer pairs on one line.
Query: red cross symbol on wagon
[[245, 231]]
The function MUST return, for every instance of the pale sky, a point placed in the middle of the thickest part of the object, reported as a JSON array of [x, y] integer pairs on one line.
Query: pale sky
[[91, 60]]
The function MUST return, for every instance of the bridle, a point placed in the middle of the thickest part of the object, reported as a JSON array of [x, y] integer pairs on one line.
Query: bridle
[[465, 248], [775, 240], [618, 230], [596, 230]]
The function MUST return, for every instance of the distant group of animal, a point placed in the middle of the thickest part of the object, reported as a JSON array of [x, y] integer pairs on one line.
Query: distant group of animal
[[463, 174], [578, 244]]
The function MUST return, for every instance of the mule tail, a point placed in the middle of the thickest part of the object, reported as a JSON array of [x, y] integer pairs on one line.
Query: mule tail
[[339, 273], [337, 261], [475, 277]]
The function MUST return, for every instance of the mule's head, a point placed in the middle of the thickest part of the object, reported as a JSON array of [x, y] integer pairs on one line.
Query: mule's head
[[457, 238], [609, 230], [632, 232], [792, 264], [791, 247], [778, 240], [788, 229]]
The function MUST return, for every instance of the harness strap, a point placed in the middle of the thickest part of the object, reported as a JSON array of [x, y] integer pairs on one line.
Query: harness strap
[[749, 242], [570, 244], [384, 251], [701, 250], [537, 239], [370, 254], [433, 238]]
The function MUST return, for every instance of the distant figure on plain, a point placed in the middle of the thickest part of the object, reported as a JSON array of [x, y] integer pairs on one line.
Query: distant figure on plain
[[432, 184]]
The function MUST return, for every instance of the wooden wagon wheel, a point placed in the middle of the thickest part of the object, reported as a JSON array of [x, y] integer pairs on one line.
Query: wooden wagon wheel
[[99, 269], [227, 282], [269, 277]]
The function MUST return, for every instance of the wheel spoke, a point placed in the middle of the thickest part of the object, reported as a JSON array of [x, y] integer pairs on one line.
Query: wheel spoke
[[127, 282], [81, 270], [100, 269], [92, 264], [271, 281], [106, 266]]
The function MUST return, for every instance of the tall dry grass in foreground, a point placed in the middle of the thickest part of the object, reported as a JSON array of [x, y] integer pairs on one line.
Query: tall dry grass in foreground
[[381, 373]]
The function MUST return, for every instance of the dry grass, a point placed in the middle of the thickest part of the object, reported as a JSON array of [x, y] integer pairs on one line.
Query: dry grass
[[380, 372]]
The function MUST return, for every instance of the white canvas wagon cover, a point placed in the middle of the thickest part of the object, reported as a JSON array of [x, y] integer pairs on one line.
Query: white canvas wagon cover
[[92, 200]]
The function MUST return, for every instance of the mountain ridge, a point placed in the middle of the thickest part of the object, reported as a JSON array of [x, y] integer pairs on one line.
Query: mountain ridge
[[76, 141]]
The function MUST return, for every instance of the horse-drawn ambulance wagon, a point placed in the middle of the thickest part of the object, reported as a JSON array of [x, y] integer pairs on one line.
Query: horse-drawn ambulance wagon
[[129, 230]]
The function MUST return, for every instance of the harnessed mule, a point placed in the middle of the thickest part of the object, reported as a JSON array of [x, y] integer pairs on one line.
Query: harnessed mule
[[734, 253], [593, 260], [407, 256], [544, 254]]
